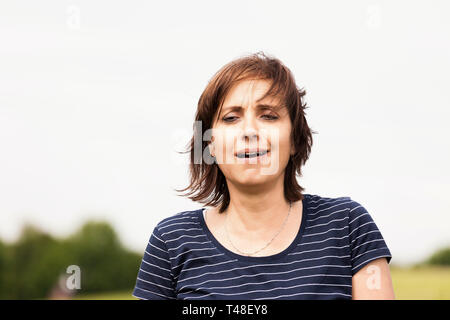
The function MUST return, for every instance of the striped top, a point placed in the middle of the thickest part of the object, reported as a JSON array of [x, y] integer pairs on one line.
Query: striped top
[[336, 238]]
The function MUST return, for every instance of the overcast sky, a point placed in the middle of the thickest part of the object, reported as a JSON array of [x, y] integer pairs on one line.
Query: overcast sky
[[97, 97]]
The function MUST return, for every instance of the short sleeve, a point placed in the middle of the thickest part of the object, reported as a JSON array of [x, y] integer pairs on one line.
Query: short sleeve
[[366, 241], [155, 279]]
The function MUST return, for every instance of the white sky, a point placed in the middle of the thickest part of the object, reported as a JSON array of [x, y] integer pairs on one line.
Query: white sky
[[94, 96]]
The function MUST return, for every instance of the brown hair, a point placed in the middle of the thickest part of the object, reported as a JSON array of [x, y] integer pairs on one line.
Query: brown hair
[[208, 184]]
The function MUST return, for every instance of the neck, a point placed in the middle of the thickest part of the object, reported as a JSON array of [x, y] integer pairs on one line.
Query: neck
[[257, 208]]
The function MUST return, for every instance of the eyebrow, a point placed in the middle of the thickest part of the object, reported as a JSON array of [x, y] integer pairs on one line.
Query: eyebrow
[[261, 106]]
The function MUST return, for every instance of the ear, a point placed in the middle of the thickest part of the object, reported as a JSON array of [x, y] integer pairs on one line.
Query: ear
[[293, 150], [211, 147]]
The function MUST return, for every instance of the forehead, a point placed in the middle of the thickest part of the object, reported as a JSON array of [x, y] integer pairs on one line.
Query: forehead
[[247, 92]]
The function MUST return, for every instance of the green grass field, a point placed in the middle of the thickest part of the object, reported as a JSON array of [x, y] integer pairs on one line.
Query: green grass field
[[421, 283], [126, 295], [409, 284]]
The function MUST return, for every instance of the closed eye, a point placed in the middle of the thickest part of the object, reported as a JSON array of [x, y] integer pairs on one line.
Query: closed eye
[[270, 117], [228, 119], [266, 116]]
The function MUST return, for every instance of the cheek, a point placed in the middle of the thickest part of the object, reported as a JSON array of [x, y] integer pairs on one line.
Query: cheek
[[280, 147], [285, 142], [281, 140], [284, 151], [224, 143]]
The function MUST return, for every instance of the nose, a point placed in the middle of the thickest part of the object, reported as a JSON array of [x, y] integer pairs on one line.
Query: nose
[[250, 129]]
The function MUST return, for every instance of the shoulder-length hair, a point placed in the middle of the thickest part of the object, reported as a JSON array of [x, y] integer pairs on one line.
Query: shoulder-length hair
[[207, 182]]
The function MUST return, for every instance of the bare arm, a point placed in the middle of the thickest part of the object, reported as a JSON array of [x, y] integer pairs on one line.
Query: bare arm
[[373, 282]]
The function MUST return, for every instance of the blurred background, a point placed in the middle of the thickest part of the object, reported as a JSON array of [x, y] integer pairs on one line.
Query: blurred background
[[98, 97]]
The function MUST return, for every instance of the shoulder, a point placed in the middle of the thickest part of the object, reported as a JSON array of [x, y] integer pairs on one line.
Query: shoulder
[[318, 203], [179, 223], [328, 211]]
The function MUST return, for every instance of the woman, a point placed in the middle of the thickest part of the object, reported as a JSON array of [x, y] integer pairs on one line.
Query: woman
[[261, 237]]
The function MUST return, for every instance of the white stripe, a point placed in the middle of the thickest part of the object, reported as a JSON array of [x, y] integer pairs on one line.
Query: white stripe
[[302, 260], [154, 265], [314, 234], [274, 280], [367, 243], [154, 235], [258, 274], [180, 215], [310, 220], [214, 255], [330, 207], [301, 252], [359, 217], [364, 235], [158, 294], [324, 224], [180, 230], [154, 274], [305, 293], [156, 257], [330, 202], [275, 265], [155, 284], [356, 208], [173, 224], [175, 219], [321, 199], [204, 266], [189, 242], [213, 248], [332, 238], [201, 235], [359, 255], [327, 199], [279, 288], [361, 226], [151, 244], [370, 259]]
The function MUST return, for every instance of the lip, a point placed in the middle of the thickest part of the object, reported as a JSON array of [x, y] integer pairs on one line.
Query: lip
[[254, 160], [251, 151]]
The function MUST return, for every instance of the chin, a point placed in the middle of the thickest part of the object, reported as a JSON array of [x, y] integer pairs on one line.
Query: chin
[[252, 178]]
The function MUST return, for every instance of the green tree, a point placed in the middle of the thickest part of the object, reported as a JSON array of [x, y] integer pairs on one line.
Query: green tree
[[105, 265], [32, 266], [440, 257], [5, 261]]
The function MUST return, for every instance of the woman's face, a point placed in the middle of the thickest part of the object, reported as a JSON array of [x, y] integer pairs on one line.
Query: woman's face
[[252, 140]]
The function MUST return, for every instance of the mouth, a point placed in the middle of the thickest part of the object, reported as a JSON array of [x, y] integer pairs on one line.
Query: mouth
[[251, 154]]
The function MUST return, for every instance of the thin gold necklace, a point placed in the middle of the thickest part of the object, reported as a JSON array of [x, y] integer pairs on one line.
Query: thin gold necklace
[[255, 252]]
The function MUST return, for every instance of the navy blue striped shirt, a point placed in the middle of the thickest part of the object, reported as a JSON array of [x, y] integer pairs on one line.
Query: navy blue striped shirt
[[336, 238]]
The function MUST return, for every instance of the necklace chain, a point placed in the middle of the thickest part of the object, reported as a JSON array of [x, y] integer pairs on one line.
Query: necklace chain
[[255, 252]]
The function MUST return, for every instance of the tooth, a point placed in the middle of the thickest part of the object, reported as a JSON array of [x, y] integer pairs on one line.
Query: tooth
[[251, 154]]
